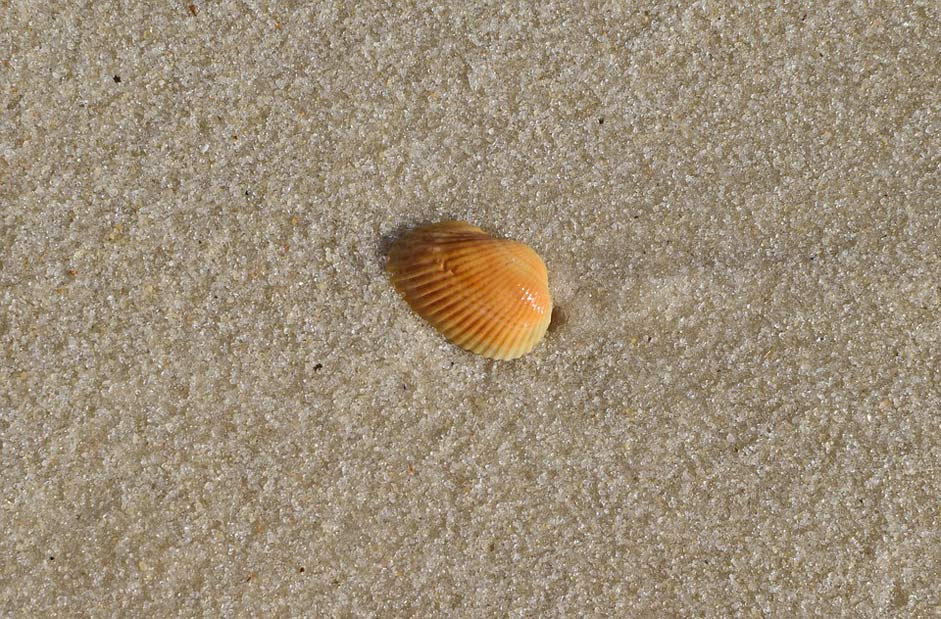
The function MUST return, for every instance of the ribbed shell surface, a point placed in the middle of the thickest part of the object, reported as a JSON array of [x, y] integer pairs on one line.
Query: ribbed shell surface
[[489, 296]]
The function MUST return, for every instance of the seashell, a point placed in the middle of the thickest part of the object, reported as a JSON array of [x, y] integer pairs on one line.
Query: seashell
[[489, 296]]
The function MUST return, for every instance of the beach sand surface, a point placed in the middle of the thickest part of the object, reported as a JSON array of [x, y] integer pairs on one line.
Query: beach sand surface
[[214, 404]]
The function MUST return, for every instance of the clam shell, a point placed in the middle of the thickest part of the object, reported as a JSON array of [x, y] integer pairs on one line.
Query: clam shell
[[487, 295]]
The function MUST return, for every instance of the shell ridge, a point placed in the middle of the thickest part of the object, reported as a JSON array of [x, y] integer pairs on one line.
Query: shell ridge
[[486, 319], [505, 338], [493, 328]]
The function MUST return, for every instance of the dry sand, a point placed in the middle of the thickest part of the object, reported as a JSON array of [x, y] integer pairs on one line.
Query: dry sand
[[213, 403]]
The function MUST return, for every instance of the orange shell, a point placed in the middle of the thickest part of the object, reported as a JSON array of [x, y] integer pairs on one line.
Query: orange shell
[[487, 295]]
